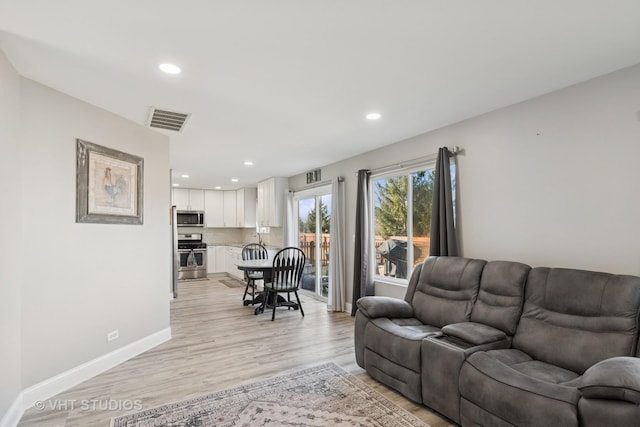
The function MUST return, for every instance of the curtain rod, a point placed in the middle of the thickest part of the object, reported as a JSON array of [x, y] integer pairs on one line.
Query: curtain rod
[[455, 150]]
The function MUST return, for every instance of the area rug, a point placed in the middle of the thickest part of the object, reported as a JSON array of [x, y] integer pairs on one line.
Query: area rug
[[325, 395]]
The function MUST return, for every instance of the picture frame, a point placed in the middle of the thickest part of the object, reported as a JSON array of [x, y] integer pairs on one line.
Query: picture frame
[[109, 185]]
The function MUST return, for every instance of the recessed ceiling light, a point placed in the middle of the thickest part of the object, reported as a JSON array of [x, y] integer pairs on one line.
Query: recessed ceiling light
[[217, 187], [185, 176], [248, 163], [373, 116], [176, 185], [170, 68], [234, 179]]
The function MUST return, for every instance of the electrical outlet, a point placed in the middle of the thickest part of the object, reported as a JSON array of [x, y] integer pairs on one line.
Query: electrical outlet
[[113, 335]]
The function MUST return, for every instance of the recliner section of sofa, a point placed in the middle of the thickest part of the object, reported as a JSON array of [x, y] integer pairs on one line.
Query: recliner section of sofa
[[500, 344], [571, 321], [441, 291]]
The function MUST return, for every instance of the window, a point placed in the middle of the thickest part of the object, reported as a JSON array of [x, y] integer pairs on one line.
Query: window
[[402, 221]]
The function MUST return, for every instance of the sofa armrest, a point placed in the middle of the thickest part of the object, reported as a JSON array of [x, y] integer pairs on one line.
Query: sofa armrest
[[374, 307], [614, 378], [474, 333]]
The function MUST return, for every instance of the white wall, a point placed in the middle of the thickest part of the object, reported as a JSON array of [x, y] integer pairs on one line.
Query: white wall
[[568, 197], [552, 181], [84, 280], [10, 240]]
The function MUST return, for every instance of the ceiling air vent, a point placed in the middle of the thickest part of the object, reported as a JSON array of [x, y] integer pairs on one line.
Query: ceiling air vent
[[169, 120]]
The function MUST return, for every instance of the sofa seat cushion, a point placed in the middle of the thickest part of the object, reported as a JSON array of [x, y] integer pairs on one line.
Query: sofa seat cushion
[[524, 364], [398, 340], [512, 386]]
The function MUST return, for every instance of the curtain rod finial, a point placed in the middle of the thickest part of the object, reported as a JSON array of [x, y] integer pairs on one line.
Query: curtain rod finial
[[456, 150]]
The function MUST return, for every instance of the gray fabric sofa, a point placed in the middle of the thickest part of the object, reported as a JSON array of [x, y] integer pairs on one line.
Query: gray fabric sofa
[[500, 344]]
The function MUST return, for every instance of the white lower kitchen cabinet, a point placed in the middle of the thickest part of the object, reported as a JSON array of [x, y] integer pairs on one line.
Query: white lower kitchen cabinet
[[211, 259], [223, 259], [234, 256], [220, 256], [216, 259]]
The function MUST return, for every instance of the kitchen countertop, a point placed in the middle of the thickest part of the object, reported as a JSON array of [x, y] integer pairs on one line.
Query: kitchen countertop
[[241, 245]]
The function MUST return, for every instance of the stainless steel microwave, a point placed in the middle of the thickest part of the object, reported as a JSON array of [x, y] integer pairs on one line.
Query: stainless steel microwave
[[190, 218]]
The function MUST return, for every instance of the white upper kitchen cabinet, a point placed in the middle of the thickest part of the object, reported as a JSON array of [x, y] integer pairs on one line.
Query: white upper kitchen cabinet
[[196, 200], [246, 207], [220, 208], [180, 198], [213, 208], [229, 209], [271, 202], [188, 199]]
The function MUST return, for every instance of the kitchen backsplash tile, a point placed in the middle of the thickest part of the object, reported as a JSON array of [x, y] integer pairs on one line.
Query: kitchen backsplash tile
[[273, 239], [226, 236]]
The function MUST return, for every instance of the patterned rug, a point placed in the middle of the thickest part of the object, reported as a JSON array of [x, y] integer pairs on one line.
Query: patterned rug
[[325, 395]]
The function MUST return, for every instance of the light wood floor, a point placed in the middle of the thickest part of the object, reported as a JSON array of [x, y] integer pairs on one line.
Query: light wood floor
[[217, 344]]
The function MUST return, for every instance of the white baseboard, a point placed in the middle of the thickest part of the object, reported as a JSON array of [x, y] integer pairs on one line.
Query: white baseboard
[[64, 381], [12, 417]]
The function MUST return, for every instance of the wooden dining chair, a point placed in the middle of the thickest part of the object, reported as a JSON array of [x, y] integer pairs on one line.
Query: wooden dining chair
[[286, 274], [249, 252]]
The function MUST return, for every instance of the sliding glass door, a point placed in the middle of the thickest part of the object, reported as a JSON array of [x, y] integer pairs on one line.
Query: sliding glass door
[[314, 237]]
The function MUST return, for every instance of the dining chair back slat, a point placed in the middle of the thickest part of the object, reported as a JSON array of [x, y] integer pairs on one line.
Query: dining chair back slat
[[288, 265], [252, 251], [286, 275]]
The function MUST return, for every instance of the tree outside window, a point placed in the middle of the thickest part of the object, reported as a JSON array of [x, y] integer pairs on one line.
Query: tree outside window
[[402, 209], [309, 226]]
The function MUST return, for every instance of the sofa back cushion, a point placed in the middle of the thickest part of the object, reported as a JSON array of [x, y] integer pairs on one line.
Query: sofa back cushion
[[501, 295], [444, 289], [576, 318]]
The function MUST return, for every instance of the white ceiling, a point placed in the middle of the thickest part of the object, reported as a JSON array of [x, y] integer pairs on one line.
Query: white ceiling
[[286, 83]]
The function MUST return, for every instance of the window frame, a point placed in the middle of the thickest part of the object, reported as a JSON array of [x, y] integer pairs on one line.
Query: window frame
[[317, 193], [407, 171]]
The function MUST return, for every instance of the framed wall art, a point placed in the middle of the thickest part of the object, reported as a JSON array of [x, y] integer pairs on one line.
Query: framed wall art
[[108, 185]]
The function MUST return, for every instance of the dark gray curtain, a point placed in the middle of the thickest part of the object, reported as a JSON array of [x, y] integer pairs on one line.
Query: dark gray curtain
[[443, 231], [362, 268]]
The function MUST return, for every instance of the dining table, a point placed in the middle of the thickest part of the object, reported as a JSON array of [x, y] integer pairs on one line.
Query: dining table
[[264, 266]]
